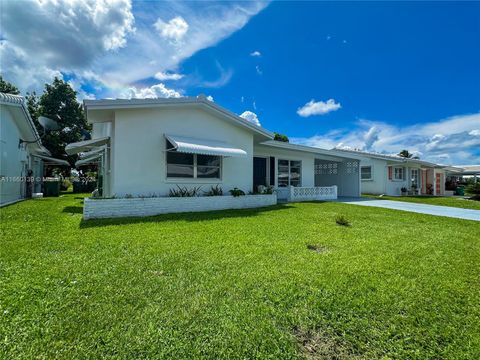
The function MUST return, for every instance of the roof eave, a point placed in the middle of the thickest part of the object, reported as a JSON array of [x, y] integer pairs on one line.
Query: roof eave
[[114, 104], [310, 149]]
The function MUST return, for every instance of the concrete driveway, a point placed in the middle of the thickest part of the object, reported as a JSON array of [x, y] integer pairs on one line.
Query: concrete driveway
[[447, 211]]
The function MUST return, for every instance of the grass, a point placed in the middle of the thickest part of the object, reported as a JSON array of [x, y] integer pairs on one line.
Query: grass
[[280, 282], [453, 201]]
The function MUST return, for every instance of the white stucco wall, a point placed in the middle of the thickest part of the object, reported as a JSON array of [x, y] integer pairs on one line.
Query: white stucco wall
[[12, 159], [380, 184], [379, 176], [138, 150]]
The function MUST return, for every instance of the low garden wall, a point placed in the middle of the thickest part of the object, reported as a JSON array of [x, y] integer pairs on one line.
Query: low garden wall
[[110, 208]]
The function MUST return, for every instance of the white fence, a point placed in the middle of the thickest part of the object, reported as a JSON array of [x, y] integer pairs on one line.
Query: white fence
[[313, 193]]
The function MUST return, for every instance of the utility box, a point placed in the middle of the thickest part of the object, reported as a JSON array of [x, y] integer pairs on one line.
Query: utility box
[[51, 187]]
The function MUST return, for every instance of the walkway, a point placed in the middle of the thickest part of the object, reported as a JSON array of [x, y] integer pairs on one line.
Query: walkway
[[467, 214]]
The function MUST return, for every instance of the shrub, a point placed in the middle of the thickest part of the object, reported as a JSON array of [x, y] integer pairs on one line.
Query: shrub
[[184, 192], [262, 190], [235, 192], [214, 191], [403, 190], [65, 185], [342, 220], [474, 190], [268, 190]]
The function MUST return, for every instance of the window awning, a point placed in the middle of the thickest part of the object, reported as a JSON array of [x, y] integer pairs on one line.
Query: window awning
[[87, 154], [49, 159], [82, 146], [204, 147], [88, 160]]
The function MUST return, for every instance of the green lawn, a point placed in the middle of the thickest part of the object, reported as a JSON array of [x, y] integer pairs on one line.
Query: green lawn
[[238, 284], [454, 201]]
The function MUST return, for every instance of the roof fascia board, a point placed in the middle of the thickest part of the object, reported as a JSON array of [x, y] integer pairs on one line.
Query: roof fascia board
[[19, 101], [309, 149]]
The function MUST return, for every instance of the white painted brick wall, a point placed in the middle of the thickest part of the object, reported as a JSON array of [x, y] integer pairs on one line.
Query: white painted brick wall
[[110, 208]]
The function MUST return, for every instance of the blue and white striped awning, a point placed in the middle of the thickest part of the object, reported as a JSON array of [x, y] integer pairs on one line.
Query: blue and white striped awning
[[204, 147]]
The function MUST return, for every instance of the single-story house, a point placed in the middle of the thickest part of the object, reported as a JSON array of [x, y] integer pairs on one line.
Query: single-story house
[[22, 155], [469, 171], [388, 174], [147, 147]]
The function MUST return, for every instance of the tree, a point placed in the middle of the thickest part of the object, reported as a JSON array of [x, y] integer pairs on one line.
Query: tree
[[474, 190], [59, 102], [33, 108], [280, 137], [406, 154], [7, 87]]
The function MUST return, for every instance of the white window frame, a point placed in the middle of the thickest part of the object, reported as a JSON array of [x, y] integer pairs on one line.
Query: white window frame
[[394, 175], [194, 178], [289, 171], [417, 177], [371, 173]]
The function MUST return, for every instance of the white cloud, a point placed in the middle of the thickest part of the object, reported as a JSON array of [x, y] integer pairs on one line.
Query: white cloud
[[163, 76], [259, 71], [371, 136], [108, 40], [224, 77], [256, 53], [174, 30], [81, 94], [152, 92], [250, 116], [452, 140], [26, 73], [46, 37], [318, 108], [210, 98], [149, 53]]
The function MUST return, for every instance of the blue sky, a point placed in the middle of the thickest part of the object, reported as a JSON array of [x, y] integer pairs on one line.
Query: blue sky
[[378, 76]]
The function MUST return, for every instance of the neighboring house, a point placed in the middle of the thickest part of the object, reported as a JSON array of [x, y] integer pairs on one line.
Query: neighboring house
[[149, 146], [469, 171], [22, 154], [388, 174]]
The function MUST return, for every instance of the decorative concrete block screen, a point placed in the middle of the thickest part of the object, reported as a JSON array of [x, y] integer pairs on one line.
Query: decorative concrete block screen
[[326, 168], [345, 175], [110, 208], [313, 193]]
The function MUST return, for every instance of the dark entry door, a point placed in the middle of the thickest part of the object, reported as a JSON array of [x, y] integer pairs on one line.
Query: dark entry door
[[259, 172]]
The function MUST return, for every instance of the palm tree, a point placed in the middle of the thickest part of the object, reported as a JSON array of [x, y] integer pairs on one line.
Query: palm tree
[[408, 155]]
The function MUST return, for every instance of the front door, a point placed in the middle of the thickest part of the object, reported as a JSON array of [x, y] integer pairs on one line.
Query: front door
[[438, 180], [259, 172]]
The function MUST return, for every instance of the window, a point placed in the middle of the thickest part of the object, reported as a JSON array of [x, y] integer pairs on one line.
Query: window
[[193, 166], [415, 178], [398, 173], [289, 173], [366, 172]]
